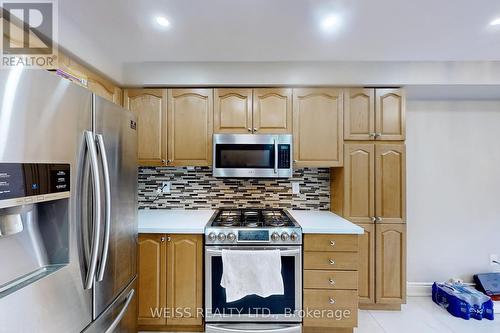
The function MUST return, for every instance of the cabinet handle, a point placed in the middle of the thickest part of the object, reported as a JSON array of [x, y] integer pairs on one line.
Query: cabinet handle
[[169, 161], [163, 161], [255, 129], [162, 239], [332, 243], [378, 219], [371, 135], [169, 239], [249, 129], [332, 262], [294, 161], [377, 135], [332, 281], [374, 219], [332, 301]]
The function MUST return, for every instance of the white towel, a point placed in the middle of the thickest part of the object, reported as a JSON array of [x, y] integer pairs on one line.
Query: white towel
[[247, 272]]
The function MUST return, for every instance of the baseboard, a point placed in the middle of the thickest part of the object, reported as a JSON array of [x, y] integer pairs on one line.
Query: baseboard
[[421, 289]]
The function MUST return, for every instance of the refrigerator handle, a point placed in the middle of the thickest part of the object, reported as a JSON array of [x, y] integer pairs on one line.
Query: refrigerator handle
[[107, 207], [96, 186], [122, 312]]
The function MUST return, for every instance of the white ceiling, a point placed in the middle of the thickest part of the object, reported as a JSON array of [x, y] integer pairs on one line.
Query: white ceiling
[[278, 30]]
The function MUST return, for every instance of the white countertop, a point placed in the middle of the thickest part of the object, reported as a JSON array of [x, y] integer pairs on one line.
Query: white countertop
[[324, 222], [179, 221], [173, 221]]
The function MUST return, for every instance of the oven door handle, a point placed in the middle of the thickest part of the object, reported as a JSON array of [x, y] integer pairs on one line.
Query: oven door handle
[[275, 155], [285, 252]]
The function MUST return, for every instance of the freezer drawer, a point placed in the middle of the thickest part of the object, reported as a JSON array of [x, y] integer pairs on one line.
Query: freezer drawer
[[120, 316]]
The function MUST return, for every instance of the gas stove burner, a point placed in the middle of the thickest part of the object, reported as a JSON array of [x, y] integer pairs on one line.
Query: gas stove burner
[[229, 218]]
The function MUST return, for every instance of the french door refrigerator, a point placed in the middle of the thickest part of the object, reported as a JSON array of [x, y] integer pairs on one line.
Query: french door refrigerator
[[69, 265]]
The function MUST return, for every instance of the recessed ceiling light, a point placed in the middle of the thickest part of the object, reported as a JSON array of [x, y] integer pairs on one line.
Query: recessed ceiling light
[[162, 21], [330, 22], [495, 22]]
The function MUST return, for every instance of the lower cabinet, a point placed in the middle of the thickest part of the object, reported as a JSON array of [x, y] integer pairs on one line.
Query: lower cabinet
[[330, 283], [382, 269], [170, 293]]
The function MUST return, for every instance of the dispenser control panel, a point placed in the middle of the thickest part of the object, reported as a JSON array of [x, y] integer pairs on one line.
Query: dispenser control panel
[[19, 180]]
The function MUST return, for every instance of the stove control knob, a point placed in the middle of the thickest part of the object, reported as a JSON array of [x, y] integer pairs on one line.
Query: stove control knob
[[222, 237], [275, 237], [231, 237], [212, 236], [294, 236], [284, 236]]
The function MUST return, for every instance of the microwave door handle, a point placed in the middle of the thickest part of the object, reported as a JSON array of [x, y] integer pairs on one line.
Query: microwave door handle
[[107, 207], [275, 156], [96, 187]]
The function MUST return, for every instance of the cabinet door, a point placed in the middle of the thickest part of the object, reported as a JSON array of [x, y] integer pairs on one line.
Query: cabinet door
[[366, 272], [390, 114], [359, 182], [390, 184], [233, 111], [190, 127], [391, 263], [150, 106], [272, 110], [151, 279], [185, 278], [359, 114], [317, 127]]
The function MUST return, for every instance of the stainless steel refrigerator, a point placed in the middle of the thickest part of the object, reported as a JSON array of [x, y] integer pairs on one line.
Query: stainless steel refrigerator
[[67, 245]]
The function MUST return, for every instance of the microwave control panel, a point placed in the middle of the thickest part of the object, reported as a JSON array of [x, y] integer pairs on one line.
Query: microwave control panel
[[284, 156]]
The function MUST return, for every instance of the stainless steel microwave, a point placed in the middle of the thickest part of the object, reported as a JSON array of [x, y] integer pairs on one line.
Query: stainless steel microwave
[[252, 155]]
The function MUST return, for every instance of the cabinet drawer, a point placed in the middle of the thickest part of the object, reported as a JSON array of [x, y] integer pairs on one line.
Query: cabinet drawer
[[331, 243], [330, 279], [331, 260], [337, 308]]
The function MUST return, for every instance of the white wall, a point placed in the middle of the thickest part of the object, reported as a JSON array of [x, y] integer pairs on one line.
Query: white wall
[[453, 186]]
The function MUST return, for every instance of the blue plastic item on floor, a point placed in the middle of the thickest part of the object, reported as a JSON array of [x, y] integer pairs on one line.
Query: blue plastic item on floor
[[462, 301]]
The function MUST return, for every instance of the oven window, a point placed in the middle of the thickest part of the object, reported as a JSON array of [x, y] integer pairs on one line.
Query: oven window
[[253, 304], [244, 156]]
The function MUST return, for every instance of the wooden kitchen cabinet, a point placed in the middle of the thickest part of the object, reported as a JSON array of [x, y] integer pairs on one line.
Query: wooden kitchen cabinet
[[272, 110], [367, 264], [390, 260], [170, 277], [390, 182], [190, 127], [359, 114], [185, 278], [372, 185], [330, 281], [150, 106], [233, 110], [318, 127], [390, 114], [151, 263], [374, 114]]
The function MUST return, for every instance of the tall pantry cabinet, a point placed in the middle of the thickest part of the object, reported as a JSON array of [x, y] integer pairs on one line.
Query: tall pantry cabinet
[[371, 191]]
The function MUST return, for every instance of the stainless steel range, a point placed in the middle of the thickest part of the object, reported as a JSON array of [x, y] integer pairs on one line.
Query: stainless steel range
[[253, 230]]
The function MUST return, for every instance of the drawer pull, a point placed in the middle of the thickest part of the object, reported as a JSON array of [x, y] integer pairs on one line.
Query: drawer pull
[[332, 281], [332, 262], [332, 301], [332, 243]]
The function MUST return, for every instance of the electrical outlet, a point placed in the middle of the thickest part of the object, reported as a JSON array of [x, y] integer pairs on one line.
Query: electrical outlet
[[494, 260], [295, 188], [166, 186]]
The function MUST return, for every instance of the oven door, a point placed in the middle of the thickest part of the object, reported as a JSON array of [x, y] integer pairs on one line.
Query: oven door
[[253, 308]]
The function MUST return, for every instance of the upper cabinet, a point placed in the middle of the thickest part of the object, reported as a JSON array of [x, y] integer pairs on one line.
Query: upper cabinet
[[233, 111], [190, 127], [150, 106], [374, 114], [318, 127], [258, 111], [272, 110]]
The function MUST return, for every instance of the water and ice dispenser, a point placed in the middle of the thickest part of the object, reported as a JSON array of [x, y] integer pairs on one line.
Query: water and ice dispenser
[[34, 222]]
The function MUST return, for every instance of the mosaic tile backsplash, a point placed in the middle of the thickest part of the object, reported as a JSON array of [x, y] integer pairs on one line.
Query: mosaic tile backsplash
[[196, 188]]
